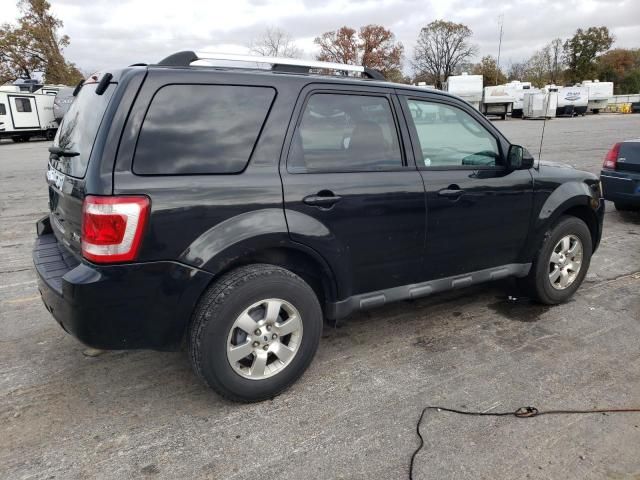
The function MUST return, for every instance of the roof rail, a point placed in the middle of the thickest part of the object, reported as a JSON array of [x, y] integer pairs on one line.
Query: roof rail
[[186, 58]]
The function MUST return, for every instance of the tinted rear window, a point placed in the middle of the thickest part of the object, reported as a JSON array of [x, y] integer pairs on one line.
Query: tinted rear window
[[200, 129], [79, 128]]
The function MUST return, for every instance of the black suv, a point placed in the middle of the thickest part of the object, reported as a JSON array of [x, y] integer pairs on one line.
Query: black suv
[[233, 209]]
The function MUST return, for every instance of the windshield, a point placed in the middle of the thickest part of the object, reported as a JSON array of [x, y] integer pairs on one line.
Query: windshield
[[79, 128]]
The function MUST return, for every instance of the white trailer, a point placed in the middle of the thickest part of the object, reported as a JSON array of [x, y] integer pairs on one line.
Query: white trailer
[[497, 100], [540, 104], [599, 94], [468, 87], [25, 114], [518, 89], [571, 100]]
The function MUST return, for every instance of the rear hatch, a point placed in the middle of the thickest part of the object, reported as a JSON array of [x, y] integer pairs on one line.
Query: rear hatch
[[629, 156], [68, 165]]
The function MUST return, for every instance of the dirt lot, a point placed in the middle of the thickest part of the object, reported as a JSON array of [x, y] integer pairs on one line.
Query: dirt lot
[[353, 415]]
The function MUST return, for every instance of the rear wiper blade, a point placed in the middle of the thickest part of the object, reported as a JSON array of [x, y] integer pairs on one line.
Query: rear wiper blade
[[61, 152]]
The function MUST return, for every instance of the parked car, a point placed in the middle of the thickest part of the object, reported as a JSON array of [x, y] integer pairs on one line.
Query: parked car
[[620, 175], [234, 209], [62, 102]]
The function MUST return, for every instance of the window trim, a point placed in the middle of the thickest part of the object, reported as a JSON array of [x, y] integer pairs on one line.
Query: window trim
[[415, 138], [355, 92], [173, 84]]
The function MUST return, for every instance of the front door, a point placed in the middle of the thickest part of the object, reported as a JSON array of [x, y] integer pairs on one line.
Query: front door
[[478, 210], [351, 192]]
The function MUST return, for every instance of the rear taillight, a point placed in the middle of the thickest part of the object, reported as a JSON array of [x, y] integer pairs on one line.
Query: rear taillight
[[611, 159], [112, 228]]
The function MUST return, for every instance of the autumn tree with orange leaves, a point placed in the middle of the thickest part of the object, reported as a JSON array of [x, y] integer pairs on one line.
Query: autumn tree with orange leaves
[[372, 46]]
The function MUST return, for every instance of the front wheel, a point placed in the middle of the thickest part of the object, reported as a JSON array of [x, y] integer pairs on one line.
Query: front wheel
[[561, 263], [255, 332]]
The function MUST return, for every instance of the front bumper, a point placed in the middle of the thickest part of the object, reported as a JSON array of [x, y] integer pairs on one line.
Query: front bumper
[[144, 305], [621, 186]]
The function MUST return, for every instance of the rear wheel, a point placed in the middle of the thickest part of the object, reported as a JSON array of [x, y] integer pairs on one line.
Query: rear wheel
[[561, 263], [255, 332]]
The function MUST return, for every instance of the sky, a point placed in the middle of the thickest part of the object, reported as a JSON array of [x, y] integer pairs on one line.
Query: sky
[[115, 33]]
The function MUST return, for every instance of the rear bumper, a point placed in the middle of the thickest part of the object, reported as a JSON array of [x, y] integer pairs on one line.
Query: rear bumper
[[145, 305], [621, 186]]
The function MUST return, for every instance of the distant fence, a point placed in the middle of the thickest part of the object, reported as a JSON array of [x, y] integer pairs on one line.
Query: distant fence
[[625, 99]]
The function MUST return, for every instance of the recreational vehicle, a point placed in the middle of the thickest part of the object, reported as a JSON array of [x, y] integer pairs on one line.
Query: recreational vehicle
[[497, 100], [571, 100], [518, 89], [599, 94], [25, 113], [468, 87]]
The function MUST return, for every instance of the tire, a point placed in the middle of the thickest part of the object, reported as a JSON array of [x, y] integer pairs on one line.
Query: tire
[[214, 329], [626, 207], [537, 284]]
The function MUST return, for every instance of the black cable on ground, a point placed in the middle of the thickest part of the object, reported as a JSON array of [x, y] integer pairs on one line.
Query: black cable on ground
[[522, 412]]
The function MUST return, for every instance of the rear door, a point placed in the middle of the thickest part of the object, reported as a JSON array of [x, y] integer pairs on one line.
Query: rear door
[[351, 192], [24, 112], [478, 210], [66, 174]]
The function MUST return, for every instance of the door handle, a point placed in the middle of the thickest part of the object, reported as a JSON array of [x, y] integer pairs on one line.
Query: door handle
[[324, 201], [451, 192]]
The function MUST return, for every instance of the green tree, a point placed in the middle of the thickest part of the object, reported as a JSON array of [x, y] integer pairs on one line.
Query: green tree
[[582, 50], [622, 67], [488, 68], [35, 45]]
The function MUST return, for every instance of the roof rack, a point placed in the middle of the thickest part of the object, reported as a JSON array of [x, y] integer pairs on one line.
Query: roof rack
[[280, 64]]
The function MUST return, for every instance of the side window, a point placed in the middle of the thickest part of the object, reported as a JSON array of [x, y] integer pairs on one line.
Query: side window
[[3, 109], [345, 133], [201, 129], [23, 105], [450, 137]]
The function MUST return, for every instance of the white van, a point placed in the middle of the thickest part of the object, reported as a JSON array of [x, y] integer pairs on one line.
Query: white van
[[25, 114]]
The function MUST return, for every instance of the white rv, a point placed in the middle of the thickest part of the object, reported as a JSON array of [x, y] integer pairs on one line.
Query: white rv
[[599, 94], [497, 100], [25, 113], [571, 100], [540, 104], [518, 89], [468, 87]]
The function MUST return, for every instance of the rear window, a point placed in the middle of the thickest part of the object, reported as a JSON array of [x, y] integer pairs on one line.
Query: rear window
[[79, 128], [3, 109], [201, 129]]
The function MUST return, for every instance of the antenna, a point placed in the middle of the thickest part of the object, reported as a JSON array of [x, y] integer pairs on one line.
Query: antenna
[[501, 20], [544, 123]]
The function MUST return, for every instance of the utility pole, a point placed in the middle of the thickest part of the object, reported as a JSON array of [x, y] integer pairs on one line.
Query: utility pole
[[501, 20]]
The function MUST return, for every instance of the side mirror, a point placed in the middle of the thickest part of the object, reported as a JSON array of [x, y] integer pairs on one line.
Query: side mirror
[[519, 158]]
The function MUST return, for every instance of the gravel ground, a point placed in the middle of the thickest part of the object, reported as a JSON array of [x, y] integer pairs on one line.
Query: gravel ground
[[353, 414]]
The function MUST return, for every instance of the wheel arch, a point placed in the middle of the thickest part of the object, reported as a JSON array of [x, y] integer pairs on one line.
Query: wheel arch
[[573, 199]]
